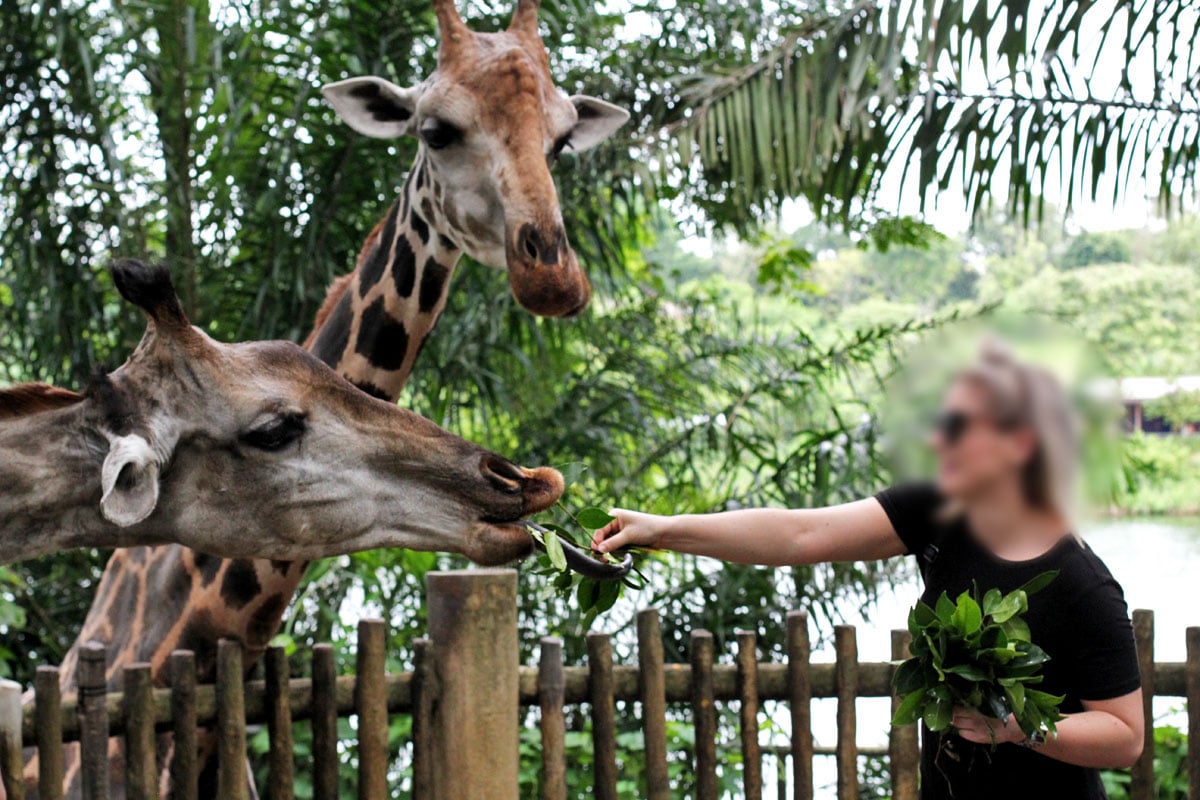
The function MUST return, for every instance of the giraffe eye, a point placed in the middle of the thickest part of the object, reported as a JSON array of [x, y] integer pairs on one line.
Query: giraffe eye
[[438, 135], [276, 434]]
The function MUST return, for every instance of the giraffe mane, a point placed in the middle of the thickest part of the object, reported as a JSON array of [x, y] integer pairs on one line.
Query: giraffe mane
[[27, 399]]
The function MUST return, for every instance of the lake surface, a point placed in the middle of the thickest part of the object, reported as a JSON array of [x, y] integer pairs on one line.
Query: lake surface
[[1156, 560]]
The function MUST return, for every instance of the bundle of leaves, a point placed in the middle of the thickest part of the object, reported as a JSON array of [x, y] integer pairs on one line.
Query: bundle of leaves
[[594, 596], [975, 653]]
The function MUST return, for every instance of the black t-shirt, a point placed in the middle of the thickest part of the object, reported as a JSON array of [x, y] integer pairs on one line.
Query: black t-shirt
[[1080, 620]]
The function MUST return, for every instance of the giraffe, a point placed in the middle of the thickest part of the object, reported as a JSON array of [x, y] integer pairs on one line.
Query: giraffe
[[489, 122], [199, 442]]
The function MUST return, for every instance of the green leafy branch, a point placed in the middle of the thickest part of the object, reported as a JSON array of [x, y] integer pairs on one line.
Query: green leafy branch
[[975, 653]]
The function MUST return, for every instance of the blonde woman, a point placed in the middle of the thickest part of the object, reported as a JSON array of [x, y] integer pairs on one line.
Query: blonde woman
[[997, 515]]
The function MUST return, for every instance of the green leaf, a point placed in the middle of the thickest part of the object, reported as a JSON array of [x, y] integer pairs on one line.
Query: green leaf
[[967, 616], [1013, 603], [909, 710], [1040, 582], [938, 713], [554, 550], [606, 595], [908, 677], [944, 609], [990, 601], [593, 518], [968, 671]]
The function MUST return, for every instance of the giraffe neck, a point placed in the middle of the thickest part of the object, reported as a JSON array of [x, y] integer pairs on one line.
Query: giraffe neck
[[376, 319]]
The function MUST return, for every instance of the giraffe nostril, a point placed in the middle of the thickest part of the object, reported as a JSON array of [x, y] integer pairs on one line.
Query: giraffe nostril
[[502, 474], [531, 248]]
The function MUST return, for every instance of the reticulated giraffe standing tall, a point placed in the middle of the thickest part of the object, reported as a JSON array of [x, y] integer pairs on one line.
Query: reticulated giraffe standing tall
[[490, 123]]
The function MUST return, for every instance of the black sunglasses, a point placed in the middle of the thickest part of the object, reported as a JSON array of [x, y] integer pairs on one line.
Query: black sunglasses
[[953, 425]]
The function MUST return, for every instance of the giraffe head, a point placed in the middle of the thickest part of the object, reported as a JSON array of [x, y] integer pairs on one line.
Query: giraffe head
[[490, 123], [256, 450]]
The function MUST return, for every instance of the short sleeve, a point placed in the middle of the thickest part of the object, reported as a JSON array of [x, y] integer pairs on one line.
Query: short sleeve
[[911, 508], [1105, 661]]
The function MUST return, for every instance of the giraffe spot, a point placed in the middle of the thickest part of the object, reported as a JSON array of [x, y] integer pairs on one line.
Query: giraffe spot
[[200, 635], [265, 620], [382, 339], [418, 224], [335, 333], [372, 269], [240, 585], [371, 389], [281, 567], [404, 267], [433, 283], [446, 243], [208, 567], [421, 175]]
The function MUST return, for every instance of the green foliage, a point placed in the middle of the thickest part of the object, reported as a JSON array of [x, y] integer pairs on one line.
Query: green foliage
[[1159, 474], [849, 91], [1096, 248], [975, 653], [1170, 768]]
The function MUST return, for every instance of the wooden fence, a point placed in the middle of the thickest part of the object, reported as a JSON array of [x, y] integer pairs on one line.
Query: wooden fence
[[465, 696]]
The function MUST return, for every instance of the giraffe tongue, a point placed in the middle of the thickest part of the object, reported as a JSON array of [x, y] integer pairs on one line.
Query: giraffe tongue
[[583, 563]]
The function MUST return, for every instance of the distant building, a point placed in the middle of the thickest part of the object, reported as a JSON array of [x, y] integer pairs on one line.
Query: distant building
[[1140, 395]]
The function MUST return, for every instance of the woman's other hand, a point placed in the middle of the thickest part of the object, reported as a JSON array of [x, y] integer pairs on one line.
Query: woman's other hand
[[975, 727], [629, 529]]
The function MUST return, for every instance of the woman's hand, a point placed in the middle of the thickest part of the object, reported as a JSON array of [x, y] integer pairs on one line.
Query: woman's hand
[[975, 727], [629, 529]]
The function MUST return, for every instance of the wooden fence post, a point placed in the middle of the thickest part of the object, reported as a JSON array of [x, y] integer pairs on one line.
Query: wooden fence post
[[904, 752], [1192, 688], [141, 769], [48, 720], [473, 625], [231, 722], [11, 766], [652, 689], [800, 699], [551, 691], [93, 720], [846, 649], [1142, 785], [370, 703], [604, 716], [185, 768]]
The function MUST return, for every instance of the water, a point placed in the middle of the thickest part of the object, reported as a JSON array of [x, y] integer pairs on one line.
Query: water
[[1155, 560]]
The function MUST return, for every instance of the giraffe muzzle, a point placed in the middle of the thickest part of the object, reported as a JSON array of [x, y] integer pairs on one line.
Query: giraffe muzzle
[[544, 272]]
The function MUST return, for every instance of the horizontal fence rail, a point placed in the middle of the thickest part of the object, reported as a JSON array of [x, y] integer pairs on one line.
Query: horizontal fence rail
[[661, 691]]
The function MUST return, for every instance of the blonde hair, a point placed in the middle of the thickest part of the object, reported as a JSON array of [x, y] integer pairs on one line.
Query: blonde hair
[[1025, 395]]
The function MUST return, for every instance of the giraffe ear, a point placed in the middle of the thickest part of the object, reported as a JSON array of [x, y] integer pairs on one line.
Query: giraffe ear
[[129, 481], [373, 106], [598, 120]]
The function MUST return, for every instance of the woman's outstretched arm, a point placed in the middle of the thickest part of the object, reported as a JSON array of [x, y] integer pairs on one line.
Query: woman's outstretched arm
[[858, 531]]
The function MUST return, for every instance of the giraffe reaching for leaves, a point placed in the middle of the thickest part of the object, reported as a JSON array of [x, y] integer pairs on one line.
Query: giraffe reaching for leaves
[[253, 449]]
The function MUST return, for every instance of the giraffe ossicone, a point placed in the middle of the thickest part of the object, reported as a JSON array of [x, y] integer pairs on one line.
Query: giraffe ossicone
[[255, 449]]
